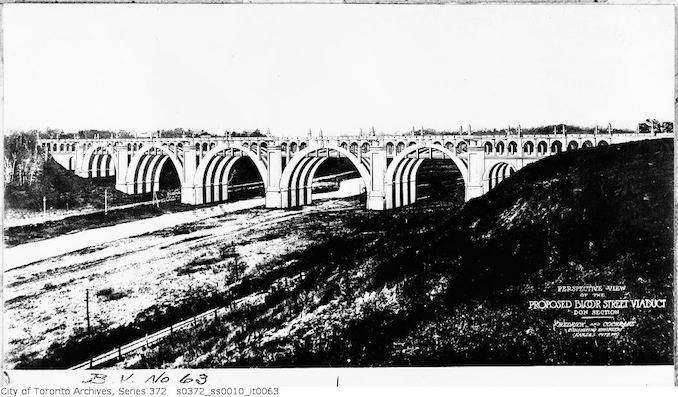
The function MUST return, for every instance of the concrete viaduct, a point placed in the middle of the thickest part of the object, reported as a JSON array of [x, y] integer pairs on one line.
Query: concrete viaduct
[[387, 164]]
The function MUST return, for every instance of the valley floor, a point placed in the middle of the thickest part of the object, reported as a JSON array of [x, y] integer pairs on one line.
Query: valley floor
[[176, 258]]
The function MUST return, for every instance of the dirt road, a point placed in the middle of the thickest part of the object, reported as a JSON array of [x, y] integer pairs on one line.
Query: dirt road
[[24, 254]]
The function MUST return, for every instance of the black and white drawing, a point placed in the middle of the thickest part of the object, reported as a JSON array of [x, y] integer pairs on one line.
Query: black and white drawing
[[209, 186]]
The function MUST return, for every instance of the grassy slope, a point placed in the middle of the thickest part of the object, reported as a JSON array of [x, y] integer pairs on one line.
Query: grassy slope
[[414, 291], [601, 216]]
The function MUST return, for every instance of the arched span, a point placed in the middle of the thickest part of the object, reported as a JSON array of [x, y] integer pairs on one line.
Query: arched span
[[390, 171], [138, 176], [400, 178], [213, 187], [403, 189], [497, 173], [88, 158], [295, 182], [210, 156]]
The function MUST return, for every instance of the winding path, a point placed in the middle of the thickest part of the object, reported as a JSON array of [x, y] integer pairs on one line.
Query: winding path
[[25, 254]]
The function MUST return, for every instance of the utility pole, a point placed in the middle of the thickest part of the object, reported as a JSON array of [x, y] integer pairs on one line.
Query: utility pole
[[44, 206], [89, 329], [106, 201]]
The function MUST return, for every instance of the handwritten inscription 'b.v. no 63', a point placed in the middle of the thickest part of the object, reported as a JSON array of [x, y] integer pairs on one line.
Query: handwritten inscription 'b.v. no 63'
[[99, 378]]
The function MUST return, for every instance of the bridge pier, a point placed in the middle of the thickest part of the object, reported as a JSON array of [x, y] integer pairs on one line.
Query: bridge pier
[[273, 193], [122, 160], [80, 168], [476, 170], [189, 193], [376, 195]]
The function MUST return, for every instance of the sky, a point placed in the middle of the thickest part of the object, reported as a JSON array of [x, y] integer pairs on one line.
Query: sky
[[339, 68]]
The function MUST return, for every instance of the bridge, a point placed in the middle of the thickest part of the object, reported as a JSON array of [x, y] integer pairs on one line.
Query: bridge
[[387, 164]]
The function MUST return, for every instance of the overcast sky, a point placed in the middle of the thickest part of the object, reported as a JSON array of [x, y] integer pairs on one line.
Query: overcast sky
[[340, 68]]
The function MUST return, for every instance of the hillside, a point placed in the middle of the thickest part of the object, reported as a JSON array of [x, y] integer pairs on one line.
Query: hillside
[[442, 285], [451, 287]]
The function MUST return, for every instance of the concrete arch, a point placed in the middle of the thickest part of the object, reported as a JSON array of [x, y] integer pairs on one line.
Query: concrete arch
[[299, 192], [147, 180], [353, 148], [462, 147], [512, 147], [542, 148], [298, 173], [528, 147], [138, 158], [497, 173], [399, 174], [100, 165], [602, 143], [214, 185], [556, 147], [87, 157], [411, 149], [403, 189], [390, 171], [212, 154]]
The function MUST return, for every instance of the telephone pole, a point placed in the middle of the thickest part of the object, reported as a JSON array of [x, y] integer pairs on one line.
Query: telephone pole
[[87, 310], [89, 329]]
